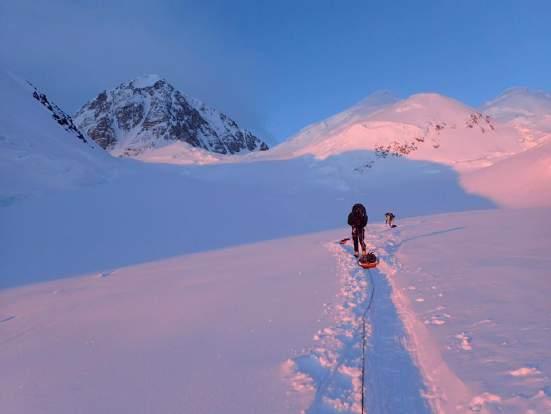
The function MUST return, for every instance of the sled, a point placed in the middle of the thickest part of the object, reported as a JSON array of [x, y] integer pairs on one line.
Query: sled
[[369, 261]]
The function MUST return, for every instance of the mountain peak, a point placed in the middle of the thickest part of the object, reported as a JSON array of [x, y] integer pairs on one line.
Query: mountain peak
[[423, 107], [374, 101], [148, 113], [431, 98], [519, 102], [382, 96], [146, 81], [523, 90]]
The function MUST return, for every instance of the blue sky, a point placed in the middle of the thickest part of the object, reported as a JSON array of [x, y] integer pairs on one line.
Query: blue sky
[[277, 66]]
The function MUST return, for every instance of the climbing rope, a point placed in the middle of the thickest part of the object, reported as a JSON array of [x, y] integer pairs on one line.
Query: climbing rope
[[364, 334], [325, 382]]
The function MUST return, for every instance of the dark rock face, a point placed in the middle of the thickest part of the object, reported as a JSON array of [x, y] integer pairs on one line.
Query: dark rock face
[[149, 112], [64, 120]]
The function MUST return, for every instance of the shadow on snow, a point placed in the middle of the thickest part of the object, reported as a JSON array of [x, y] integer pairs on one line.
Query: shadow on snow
[[153, 211]]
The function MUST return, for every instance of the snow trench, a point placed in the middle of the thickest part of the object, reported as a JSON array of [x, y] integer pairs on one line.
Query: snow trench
[[330, 373]]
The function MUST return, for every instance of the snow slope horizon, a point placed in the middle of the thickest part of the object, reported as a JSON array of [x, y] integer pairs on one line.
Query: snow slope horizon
[[40, 150], [182, 345], [166, 214]]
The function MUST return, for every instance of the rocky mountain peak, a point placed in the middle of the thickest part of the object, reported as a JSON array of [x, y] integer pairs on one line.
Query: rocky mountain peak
[[148, 112]]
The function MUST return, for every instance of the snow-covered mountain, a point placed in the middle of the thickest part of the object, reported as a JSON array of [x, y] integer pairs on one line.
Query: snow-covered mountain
[[334, 124], [424, 127], [519, 103], [40, 146], [148, 113], [528, 111]]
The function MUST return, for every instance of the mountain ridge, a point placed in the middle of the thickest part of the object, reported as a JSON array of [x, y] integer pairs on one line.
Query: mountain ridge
[[148, 112]]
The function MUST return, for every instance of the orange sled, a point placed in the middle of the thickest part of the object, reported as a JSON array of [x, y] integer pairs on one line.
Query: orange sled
[[369, 261]]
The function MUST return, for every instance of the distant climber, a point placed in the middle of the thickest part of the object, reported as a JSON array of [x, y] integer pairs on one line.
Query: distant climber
[[389, 219], [357, 219]]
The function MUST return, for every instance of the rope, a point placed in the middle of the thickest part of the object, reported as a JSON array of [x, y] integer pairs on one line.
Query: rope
[[325, 381], [364, 335]]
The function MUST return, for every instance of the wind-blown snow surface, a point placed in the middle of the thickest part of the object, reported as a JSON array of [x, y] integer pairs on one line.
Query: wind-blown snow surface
[[473, 291], [203, 333]]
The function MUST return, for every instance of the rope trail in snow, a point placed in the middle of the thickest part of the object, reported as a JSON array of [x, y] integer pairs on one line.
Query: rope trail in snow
[[364, 335], [335, 363], [340, 360]]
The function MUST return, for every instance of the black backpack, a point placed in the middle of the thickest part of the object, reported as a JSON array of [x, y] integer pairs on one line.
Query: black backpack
[[358, 211]]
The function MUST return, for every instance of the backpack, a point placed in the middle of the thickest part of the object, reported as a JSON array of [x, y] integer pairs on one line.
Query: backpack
[[370, 258], [359, 210], [360, 215]]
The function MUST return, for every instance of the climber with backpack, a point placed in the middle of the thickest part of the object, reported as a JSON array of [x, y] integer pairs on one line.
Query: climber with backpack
[[357, 219], [389, 219]]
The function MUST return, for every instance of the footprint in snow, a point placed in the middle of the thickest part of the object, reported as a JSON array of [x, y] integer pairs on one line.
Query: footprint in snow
[[438, 320], [8, 318], [524, 372], [464, 341]]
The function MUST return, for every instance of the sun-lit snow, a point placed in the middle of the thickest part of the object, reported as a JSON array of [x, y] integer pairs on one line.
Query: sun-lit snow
[[519, 103], [146, 81], [216, 284], [484, 275], [179, 153], [522, 180], [528, 111], [424, 127]]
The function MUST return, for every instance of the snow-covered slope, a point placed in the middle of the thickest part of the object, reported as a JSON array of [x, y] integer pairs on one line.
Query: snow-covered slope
[[424, 127], [473, 292], [522, 180], [148, 112], [458, 322], [332, 125], [519, 103], [526, 110], [179, 152], [40, 147]]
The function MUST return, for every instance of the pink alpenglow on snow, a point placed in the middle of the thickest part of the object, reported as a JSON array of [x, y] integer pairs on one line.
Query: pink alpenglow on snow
[[217, 283]]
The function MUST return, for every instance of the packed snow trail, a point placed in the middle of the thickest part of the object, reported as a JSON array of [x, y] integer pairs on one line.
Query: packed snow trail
[[333, 369], [393, 382]]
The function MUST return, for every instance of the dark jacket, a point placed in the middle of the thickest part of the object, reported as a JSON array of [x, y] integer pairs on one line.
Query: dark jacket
[[357, 217]]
